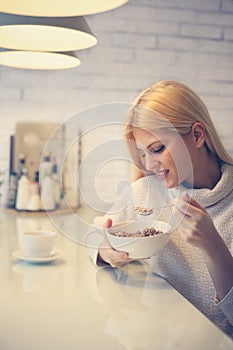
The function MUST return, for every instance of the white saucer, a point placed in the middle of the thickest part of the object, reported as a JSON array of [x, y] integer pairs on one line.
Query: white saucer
[[21, 254]]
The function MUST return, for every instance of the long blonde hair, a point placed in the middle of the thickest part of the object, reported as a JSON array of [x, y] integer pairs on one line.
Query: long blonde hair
[[175, 103]]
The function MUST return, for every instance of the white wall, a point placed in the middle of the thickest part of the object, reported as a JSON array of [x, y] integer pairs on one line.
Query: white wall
[[139, 43]]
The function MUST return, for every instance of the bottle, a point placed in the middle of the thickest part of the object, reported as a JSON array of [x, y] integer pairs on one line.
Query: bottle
[[47, 194], [46, 183], [57, 190], [45, 168], [35, 200], [34, 185], [21, 164], [12, 192], [23, 192]]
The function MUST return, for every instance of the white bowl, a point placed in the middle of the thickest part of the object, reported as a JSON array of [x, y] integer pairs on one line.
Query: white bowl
[[139, 247]]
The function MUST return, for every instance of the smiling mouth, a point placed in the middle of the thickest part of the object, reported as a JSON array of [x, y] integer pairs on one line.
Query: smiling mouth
[[161, 173]]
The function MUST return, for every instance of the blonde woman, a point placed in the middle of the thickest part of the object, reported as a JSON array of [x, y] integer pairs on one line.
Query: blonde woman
[[172, 139]]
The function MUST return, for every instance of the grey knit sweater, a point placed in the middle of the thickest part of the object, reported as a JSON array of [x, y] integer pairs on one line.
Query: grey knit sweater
[[181, 264]]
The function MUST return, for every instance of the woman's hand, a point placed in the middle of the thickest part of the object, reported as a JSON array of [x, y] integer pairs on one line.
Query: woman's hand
[[111, 256], [197, 228]]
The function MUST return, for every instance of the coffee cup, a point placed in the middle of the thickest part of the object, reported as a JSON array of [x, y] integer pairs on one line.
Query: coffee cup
[[39, 244]]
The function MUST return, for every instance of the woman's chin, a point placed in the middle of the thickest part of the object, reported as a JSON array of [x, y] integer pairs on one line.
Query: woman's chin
[[170, 184]]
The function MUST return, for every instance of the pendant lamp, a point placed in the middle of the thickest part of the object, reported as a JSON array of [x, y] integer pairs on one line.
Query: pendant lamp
[[38, 60], [45, 33], [58, 8]]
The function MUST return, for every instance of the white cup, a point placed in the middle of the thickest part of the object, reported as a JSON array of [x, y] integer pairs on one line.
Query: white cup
[[39, 244]]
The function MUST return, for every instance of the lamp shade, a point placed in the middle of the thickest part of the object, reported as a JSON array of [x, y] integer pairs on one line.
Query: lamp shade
[[38, 60], [58, 7], [45, 33]]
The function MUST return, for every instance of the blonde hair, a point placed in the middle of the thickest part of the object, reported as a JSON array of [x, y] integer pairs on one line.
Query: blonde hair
[[172, 103]]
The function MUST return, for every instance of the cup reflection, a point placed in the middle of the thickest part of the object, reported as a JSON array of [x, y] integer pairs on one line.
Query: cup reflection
[[38, 278]]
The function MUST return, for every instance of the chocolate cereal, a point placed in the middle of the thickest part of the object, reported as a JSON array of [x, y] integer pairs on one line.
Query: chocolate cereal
[[147, 232]]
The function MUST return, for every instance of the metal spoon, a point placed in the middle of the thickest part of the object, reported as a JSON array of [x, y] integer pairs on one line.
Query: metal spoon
[[143, 211]]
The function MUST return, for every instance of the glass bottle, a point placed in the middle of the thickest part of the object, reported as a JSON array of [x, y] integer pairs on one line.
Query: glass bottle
[[56, 186], [21, 165], [12, 192], [23, 191]]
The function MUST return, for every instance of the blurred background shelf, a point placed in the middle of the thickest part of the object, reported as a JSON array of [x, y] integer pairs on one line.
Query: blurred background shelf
[[26, 213]]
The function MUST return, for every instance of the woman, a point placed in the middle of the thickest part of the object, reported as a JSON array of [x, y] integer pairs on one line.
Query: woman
[[172, 139]]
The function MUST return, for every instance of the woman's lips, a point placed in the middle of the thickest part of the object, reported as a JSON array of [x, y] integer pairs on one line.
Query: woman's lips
[[161, 174]]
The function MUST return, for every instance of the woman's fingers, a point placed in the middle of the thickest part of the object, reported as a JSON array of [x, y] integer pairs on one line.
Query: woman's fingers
[[113, 257], [108, 223], [117, 259], [187, 206], [181, 208], [186, 197]]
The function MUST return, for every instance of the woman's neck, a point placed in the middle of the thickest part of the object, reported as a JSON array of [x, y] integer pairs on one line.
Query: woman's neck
[[209, 171]]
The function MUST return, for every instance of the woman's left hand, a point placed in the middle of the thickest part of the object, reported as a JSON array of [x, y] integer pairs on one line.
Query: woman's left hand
[[196, 226]]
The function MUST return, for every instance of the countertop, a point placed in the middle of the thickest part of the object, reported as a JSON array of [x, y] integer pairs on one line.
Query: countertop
[[69, 304]]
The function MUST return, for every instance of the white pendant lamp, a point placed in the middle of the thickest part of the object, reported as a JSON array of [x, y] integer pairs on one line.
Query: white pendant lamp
[[45, 33], [58, 8], [38, 60]]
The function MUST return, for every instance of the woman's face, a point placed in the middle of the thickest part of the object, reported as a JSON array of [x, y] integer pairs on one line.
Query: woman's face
[[166, 154]]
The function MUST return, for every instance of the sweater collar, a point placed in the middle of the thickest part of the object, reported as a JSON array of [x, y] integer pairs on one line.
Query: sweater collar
[[207, 197]]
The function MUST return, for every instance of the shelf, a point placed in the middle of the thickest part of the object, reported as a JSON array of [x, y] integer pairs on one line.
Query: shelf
[[38, 213]]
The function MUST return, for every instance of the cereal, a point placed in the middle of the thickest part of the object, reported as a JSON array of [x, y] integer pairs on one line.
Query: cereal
[[143, 210], [147, 232]]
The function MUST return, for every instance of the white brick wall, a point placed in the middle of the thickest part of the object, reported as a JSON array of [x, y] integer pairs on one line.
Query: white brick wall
[[139, 44]]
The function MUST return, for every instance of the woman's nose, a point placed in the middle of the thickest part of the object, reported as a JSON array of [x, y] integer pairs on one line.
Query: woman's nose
[[151, 162]]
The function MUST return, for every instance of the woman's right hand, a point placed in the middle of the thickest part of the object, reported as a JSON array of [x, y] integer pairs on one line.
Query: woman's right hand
[[111, 256]]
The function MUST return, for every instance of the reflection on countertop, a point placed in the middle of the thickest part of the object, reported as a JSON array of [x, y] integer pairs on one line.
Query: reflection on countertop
[[70, 304]]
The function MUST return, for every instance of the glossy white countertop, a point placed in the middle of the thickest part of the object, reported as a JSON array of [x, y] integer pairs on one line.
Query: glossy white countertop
[[68, 304]]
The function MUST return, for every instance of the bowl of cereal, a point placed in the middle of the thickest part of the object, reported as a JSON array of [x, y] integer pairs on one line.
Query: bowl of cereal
[[140, 238]]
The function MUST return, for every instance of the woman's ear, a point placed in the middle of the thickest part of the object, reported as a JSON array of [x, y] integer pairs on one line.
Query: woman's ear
[[199, 134]]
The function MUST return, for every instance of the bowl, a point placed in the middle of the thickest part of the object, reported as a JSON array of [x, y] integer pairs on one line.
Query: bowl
[[139, 247]]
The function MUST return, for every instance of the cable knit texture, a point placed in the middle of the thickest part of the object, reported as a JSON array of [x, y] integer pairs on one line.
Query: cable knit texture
[[181, 264]]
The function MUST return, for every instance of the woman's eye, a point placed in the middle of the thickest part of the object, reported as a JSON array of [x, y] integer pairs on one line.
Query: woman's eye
[[158, 149]]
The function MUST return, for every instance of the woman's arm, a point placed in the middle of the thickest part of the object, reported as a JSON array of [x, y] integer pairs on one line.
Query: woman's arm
[[197, 228]]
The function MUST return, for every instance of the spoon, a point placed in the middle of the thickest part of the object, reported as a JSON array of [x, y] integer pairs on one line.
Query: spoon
[[143, 211]]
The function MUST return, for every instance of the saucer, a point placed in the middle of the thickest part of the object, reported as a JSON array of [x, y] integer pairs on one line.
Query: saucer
[[21, 254]]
